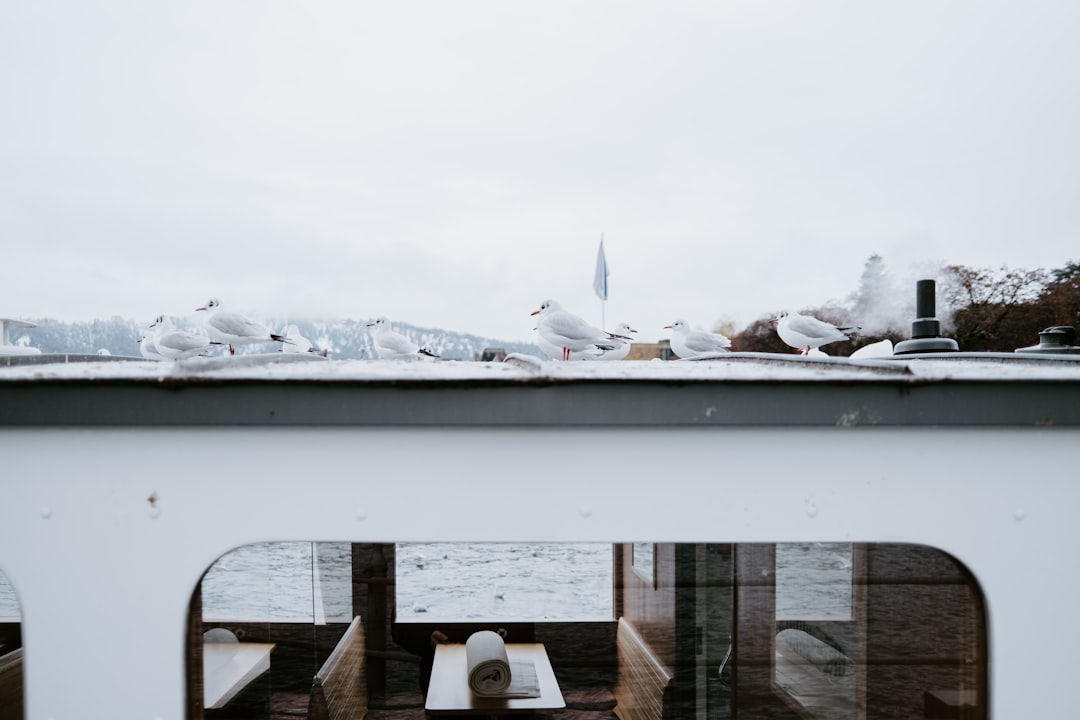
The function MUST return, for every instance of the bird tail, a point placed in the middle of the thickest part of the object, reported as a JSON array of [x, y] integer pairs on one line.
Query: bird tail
[[853, 330], [281, 339], [425, 351]]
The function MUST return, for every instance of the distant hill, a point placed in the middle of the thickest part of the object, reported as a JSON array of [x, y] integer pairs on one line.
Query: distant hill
[[345, 339]]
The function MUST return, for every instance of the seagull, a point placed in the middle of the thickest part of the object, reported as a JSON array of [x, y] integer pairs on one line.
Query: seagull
[[689, 343], [556, 352], [562, 329], [805, 333], [148, 349], [391, 345], [174, 344], [621, 340], [297, 342], [232, 328]]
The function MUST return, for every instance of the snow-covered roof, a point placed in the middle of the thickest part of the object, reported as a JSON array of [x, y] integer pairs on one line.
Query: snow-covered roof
[[732, 390], [725, 367]]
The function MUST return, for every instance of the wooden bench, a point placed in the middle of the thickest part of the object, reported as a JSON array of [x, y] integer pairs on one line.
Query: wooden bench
[[339, 689], [11, 685]]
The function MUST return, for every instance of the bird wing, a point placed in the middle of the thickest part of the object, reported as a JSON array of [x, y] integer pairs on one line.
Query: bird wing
[[183, 341], [572, 327], [393, 342], [811, 327], [237, 325], [706, 342]]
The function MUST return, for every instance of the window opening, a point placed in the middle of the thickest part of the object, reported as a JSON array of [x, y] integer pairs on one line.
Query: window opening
[[11, 653], [795, 631]]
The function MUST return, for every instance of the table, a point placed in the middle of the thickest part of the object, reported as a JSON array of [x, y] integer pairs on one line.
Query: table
[[449, 690], [229, 667]]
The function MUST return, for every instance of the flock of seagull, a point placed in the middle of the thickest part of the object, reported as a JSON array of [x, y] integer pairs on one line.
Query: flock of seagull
[[223, 328], [566, 336], [561, 335]]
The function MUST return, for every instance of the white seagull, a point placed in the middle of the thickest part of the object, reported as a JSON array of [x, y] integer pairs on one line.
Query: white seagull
[[232, 328], [621, 340], [147, 348], [556, 352], [392, 345], [806, 334], [174, 344], [566, 331], [689, 343], [297, 342]]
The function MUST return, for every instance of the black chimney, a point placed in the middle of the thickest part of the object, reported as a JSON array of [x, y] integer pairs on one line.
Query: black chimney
[[925, 330]]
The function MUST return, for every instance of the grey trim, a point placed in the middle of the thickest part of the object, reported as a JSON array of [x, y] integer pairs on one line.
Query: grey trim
[[890, 401]]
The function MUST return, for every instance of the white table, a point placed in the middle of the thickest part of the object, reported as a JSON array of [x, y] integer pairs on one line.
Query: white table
[[449, 690], [229, 667]]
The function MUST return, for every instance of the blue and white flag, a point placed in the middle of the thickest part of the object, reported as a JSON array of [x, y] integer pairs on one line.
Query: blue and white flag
[[600, 280]]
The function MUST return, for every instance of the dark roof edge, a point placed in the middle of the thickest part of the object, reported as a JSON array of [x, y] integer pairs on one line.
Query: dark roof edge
[[541, 402]]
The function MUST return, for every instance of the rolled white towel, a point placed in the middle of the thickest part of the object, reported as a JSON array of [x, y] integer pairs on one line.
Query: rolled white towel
[[489, 668]]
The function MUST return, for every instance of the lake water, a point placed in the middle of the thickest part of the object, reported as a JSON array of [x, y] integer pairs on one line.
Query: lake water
[[505, 580], [302, 581], [312, 582]]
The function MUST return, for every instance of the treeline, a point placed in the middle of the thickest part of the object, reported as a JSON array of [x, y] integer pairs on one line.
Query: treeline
[[344, 339], [983, 309]]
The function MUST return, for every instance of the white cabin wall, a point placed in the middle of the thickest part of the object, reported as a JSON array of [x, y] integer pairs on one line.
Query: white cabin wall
[[104, 578]]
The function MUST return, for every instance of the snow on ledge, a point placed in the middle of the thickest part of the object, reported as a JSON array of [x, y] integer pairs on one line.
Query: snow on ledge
[[517, 367]]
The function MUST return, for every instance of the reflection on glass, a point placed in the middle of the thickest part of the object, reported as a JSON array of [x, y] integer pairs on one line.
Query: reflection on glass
[[500, 580], [11, 661], [642, 560], [815, 638], [813, 580], [9, 603], [297, 581], [791, 631]]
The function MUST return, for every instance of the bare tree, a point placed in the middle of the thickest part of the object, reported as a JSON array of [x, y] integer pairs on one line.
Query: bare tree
[[994, 307]]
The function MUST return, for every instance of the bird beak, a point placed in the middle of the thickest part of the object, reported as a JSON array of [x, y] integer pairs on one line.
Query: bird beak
[[666, 327], [535, 312], [198, 309], [775, 320]]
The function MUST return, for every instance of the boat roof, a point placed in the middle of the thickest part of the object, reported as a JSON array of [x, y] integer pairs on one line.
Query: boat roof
[[733, 389]]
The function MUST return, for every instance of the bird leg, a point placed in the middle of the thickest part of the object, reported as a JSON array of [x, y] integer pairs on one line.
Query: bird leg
[[566, 354]]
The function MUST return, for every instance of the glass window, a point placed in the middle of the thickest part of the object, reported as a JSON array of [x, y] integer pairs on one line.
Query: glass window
[[295, 582], [11, 662], [499, 580], [789, 630]]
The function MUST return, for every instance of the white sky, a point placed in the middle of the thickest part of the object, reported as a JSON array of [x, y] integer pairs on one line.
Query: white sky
[[453, 164]]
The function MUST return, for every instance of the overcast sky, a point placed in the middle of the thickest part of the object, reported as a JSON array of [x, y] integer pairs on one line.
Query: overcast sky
[[453, 164]]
